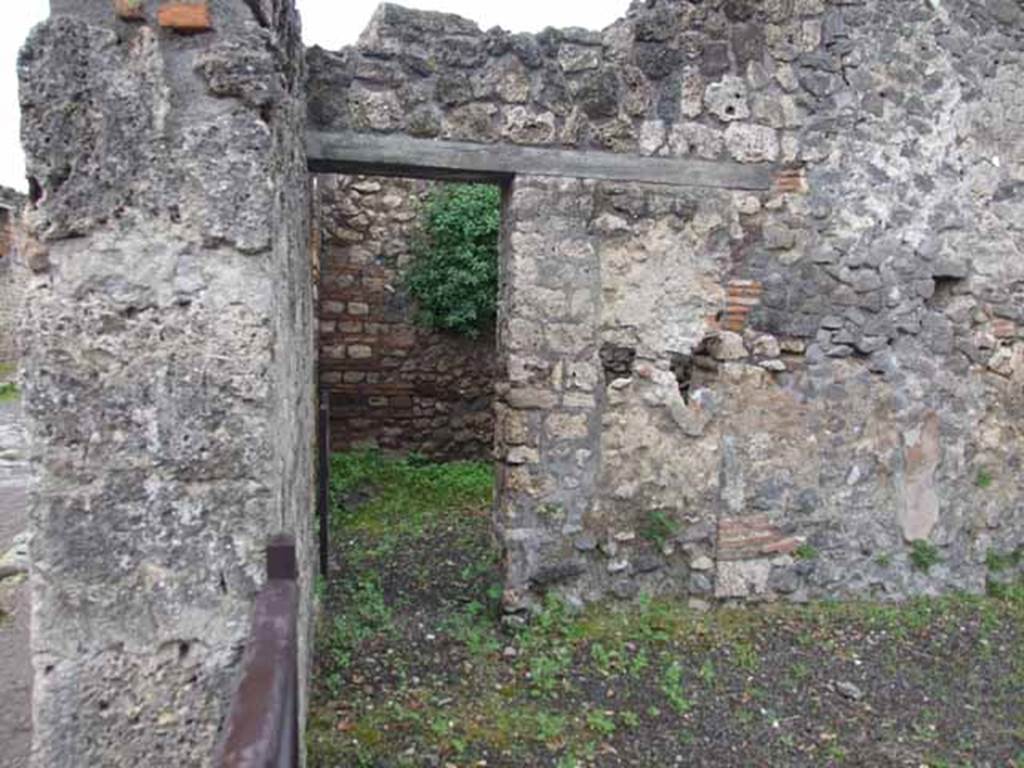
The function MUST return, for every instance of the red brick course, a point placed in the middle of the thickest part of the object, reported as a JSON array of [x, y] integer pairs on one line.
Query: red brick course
[[745, 538]]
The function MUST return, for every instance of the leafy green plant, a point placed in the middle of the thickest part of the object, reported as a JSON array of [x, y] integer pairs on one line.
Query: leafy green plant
[[600, 722], [805, 552], [366, 615], [636, 665], [474, 629], [923, 555], [672, 687], [983, 479], [997, 562], [707, 672], [629, 718], [659, 528], [8, 392], [605, 660], [550, 726], [454, 273], [746, 656], [547, 670]]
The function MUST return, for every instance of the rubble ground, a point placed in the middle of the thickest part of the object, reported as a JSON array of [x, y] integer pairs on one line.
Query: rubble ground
[[414, 668]]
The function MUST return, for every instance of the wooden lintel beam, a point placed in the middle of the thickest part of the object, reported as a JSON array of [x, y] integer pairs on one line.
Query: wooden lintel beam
[[392, 155]]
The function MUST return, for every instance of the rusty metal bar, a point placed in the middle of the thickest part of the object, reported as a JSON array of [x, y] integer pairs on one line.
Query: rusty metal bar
[[324, 476], [262, 729]]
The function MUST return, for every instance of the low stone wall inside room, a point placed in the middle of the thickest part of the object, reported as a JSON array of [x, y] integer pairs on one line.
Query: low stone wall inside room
[[394, 383]]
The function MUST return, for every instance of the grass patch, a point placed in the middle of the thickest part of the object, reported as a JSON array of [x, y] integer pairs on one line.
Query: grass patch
[[924, 555], [414, 667], [374, 493], [9, 392], [999, 562]]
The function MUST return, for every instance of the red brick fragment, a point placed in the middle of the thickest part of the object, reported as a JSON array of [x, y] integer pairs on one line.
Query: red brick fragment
[[185, 17], [741, 297], [1003, 328], [792, 181], [745, 538]]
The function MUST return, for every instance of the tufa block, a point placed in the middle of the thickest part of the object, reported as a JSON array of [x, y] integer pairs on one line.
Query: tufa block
[[130, 10]]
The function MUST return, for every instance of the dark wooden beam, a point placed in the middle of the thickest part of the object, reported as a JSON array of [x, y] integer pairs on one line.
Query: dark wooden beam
[[392, 155]]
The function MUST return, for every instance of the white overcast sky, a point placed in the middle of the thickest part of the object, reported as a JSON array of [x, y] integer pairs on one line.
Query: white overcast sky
[[330, 23]]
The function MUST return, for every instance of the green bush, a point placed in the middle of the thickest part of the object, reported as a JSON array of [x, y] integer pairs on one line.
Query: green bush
[[454, 275]]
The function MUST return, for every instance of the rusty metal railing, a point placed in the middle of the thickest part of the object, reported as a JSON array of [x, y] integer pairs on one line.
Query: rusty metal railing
[[262, 729]]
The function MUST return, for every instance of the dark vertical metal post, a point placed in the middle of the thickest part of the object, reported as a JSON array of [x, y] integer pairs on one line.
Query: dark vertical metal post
[[324, 474]]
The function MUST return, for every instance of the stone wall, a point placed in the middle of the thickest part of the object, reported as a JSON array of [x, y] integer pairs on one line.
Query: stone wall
[[169, 380], [739, 395], [394, 383], [10, 286]]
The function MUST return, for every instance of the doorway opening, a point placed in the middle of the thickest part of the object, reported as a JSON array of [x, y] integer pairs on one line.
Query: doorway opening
[[407, 307]]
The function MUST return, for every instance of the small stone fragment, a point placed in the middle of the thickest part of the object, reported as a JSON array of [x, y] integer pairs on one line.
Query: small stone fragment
[[766, 346], [130, 10], [728, 346], [752, 143], [849, 691], [727, 99], [698, 605]]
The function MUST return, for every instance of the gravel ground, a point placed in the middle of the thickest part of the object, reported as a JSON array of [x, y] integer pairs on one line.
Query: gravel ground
[[414, 669], [15, 661]]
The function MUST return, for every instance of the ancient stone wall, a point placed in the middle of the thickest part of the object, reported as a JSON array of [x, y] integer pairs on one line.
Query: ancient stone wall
[[394, 383], [169, 381], [10, 286], [726, 394]]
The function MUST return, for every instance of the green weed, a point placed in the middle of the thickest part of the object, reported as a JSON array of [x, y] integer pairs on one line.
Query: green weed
[[747, 656], [923, 555], [366, 615], [673, 688], [547, 670], [659, 528], [805, 552], [601, 722], [707, 673], [549, 726], [997, 562], [8, 392]]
